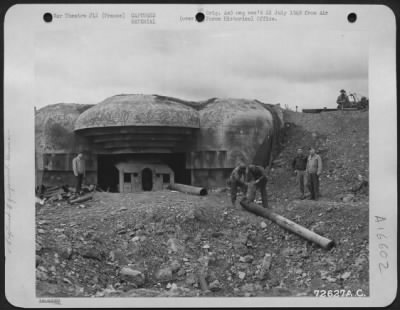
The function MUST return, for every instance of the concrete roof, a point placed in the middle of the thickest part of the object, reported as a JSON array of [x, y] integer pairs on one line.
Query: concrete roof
[[139, 110]]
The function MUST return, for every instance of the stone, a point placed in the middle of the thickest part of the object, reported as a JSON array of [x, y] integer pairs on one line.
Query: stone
[[132, 276], [181, 272], [40, 275], [191, 279], [214, 286], [241, 275], [248, 287], [135, 239], [173, 245], [217, 234], [348, 198], [118, 257], [345, 275], [66, 252], [175, 265], [164, 274], [280, 291], [246, 259], [263, 225], [92, 253]]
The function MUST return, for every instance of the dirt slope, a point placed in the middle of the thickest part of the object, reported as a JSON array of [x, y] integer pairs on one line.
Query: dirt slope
[[341, 139]]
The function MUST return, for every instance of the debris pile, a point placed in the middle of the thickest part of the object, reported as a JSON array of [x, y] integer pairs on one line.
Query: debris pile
[[59, 193]]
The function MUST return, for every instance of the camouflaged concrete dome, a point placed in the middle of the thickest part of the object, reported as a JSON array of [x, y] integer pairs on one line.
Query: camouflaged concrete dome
[[242, 127], [54, 127], [139, 110]]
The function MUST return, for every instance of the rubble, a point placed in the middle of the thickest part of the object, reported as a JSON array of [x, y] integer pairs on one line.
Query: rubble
[[132, 276]]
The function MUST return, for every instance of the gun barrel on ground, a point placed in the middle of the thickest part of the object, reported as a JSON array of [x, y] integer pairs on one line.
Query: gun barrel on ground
[[283, 222], [188, 189]]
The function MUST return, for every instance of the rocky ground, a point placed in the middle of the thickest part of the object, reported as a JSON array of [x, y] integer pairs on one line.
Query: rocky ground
[[168, 243]]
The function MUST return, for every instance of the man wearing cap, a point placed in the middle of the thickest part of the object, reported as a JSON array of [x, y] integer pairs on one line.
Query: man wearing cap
[[342, 100], [256, 178], [313, 170], [78, 165], [237, 179]]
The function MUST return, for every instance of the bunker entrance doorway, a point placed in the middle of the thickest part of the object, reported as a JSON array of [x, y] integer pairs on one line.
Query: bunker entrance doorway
[[147, 179], [108, 174]]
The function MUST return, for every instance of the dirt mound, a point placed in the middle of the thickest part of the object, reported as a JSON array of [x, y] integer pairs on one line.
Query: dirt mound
[[342, 140]]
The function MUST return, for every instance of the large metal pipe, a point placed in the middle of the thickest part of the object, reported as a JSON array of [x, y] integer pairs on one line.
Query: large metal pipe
[[288, 224], [188, 189]]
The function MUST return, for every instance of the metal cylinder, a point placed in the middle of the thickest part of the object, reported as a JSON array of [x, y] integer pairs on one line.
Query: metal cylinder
[[288, 224], [188, 189]]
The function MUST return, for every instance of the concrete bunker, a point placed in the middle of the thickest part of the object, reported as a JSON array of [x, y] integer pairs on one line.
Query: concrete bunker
[[196, 143]]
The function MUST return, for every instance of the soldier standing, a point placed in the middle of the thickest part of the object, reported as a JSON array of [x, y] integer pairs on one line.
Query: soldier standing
[[299, 165], [342, 100], [314, 169], [78, 165]]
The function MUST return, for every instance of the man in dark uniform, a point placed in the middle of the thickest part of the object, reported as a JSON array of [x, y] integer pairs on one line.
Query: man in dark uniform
[[299, 165], [342, 100], [237, 180], [256, 178]]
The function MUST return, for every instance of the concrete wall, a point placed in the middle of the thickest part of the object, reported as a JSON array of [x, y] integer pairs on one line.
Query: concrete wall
[[231, 130], [56, 144]]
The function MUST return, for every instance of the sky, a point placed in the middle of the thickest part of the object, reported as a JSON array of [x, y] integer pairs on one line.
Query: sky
[[291, 67]]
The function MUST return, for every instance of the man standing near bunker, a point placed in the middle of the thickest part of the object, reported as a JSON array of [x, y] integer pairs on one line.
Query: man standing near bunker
[[313, 170], [237, 180], [78, 166], [256, 178], [299, 166]]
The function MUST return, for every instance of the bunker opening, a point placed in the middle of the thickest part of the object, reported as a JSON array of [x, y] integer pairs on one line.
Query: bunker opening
[[147, 179], [141, 172]]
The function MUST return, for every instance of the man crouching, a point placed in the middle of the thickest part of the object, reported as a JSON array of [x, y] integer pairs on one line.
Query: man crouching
[[256, 178], [237, 180]]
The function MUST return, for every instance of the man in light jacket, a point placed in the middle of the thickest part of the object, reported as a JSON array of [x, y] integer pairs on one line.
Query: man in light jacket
[[78, 165], [314, 169]]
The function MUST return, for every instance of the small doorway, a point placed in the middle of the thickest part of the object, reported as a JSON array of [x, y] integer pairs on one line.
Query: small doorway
[[147, 179]]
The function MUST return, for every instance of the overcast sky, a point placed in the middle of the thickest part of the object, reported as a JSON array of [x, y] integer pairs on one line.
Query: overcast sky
[[303, 68]]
